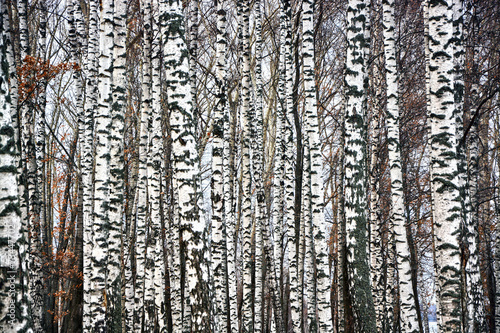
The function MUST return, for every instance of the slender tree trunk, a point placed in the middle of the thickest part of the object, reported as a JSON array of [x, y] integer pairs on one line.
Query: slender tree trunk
[[379, 231], [311, 302], [31, 194], [378, 269], [279, 168], [497, 212], [103, 118], [90, 107], [355, 184], [444, 167], [13, 307], [320, 231], [408, 317], [219, 219], [185, 163], [116, 165], [74, 320], [192, 22], [469, 171], [258, 153], [10, 58], [289, 205], [155, 251], [40, 157], [246, 111], [228, 173], [228, 176], [142, 184], [343, 298]]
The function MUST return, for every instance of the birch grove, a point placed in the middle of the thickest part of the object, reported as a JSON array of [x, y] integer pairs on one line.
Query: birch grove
[[249, 166]]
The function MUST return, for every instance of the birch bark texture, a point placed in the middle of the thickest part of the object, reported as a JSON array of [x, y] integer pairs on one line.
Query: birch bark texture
[[288, 159], [101, 220], [185, 161], [87, 156], [219, 218], [444, 169], [29, 194], [13, 307], [141, 200], [258, 151], [408, 317], [356, 82], [246, 111], [118, 105], [319, 230]]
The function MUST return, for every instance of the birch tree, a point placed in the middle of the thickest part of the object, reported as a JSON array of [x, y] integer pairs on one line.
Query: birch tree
[[87, 155], [229, 214], [30, 195], [246, 111], [378, 270], [141, 200], [408, 318], [474, 320], [185, 161], [356, 80], [133, 92], [156, 282], [13, 307], [445, 192], [319, 228], [279, 161], [219, 235], [288, 159], [118, 105], [228, 177], [258, 153], [103, 122], [39, 201]]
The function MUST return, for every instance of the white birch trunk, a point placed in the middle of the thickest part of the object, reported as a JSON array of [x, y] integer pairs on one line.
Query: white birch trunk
[[355, 184], [192, 22], [376, 231], [475, 306], [246, 110], [10, 58], [40, 183], [408, 317], [310, 321], [320, 232], [228, 176], [142, 184], [103, 121], [279, 165], [219, 220], [155, 185], [288, 158], [444, 167], [40, 156], [468, 184], [378, 269], [185, 163], [116, 165], [87, 153], [13, 307], [30, 197], [258, 158], [23, 187]]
